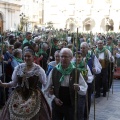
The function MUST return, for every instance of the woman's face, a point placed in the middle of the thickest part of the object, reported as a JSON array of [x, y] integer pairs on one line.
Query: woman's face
[[28, 57]]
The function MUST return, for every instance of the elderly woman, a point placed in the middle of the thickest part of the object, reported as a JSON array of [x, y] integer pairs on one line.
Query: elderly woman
[[26, 101], [17, 58], [52, 64]]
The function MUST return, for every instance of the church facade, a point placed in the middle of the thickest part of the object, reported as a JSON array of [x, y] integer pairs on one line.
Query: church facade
[[87, 15], [9, 15]]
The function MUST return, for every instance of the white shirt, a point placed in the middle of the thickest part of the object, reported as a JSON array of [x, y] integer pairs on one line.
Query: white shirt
[[82, 84], [97, 65], [89, 75], [102, 56]]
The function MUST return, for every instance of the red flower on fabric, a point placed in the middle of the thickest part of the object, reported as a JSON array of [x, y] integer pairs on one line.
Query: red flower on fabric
[[28, 110]]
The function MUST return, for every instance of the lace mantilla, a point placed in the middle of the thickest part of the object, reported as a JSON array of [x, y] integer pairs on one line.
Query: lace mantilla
[[24, 110], [34, 71]]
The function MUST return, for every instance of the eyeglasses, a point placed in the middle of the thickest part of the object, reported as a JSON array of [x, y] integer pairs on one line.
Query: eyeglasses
[[65, 57]]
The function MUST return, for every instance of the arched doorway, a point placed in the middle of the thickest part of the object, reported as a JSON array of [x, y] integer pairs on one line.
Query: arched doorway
[[71, 24], [107, 24], [88, 24], [1, 23]]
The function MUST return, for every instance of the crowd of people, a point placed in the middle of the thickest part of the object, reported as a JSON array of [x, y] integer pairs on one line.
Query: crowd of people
[[48, 78]]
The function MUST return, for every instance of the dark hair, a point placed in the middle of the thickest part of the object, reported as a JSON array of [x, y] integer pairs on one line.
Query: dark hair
[[17, 45], [57, 51], [28, 50], [78, 52], [55, 39], [109, 38], [27, 33]]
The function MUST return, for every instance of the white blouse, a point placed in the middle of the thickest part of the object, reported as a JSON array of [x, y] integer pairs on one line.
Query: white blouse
[[20, 70], [82, 84]]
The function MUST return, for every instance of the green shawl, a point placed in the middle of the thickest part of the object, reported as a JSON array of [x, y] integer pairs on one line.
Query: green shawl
[[100, 51], [18, 60], [66, 71]]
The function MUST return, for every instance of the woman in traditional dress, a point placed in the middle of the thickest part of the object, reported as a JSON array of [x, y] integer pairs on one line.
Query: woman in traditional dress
[[26, 102]]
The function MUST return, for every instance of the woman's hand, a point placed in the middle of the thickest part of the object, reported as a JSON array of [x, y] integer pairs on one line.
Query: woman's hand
[[58, 102], [3, 84]]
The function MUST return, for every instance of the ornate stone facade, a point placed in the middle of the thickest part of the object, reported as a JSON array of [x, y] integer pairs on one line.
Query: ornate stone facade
[[9, 14], [87, 15]]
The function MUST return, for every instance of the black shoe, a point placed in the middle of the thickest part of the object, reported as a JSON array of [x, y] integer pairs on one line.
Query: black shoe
[[104, 94], [97, 95]]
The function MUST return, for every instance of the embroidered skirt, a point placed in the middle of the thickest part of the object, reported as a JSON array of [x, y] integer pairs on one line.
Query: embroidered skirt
[[34, 108]]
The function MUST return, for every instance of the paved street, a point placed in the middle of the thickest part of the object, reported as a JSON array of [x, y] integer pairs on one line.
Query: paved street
[[108, 109]]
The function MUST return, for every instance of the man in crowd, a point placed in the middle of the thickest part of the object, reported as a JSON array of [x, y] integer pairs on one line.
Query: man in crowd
[[26, 41], [111, 47], [95, 67], [104, 56], [65, 84]]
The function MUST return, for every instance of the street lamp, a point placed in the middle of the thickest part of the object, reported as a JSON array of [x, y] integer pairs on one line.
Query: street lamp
[[24, 20]]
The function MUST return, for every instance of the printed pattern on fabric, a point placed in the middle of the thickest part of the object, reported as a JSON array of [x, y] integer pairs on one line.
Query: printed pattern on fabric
[[21, 109]]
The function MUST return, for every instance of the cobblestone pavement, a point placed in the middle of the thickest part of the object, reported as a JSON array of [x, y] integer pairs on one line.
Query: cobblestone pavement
[[107, 109]]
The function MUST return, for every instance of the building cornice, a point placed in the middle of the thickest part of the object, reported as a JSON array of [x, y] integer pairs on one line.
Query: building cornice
[[10, 3]]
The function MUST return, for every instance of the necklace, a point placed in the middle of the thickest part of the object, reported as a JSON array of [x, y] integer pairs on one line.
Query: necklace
[[28, 67]]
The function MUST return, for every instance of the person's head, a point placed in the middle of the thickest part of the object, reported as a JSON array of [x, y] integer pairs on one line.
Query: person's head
[[10, 48], [57, 56], [109, 40], [55, 41], [28, 35], [70, 46], [66, 56], [100, 44], [36, 49], [17, 45], [20, 38], [44, 46], [17, 53], [79, 56], [28, 56], [84, 48], [36, 40]]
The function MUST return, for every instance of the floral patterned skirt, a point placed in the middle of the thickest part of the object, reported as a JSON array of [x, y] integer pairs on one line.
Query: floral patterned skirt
[[33, 108]]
